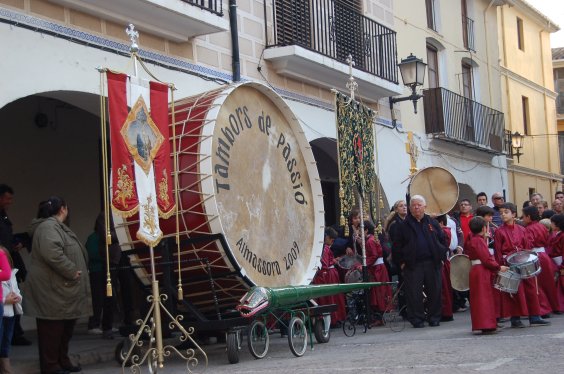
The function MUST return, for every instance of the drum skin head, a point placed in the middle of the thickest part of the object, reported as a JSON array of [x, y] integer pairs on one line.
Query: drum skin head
[[460, 266], [439, 188], [265, 191]]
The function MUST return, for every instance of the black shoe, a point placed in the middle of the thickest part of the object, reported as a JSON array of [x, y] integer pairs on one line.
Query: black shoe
[[538, 322], [489, 331], [418, 325], [545, 316], [557, 312], [20, 340], [73, 369], [517, 324], [434, 323], [447, 319]]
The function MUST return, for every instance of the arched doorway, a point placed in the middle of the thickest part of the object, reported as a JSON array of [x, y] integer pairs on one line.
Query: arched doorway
[[325, 153], [53, 142]]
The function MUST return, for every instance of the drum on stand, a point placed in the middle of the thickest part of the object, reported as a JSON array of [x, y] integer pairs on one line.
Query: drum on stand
[[246, 174], [460, 266], [439, 188]]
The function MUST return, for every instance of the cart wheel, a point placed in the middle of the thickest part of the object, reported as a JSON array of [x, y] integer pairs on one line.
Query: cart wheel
[[297, 336], [319, 330], [349, 327], [396, 321], [232, 342], [258, 339], [121, 351]]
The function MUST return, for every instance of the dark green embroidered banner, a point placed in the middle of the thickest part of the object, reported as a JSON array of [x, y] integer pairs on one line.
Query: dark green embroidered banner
[[355, 142]]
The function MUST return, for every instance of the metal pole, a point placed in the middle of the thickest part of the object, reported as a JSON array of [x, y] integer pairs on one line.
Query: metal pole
[[364, 267]]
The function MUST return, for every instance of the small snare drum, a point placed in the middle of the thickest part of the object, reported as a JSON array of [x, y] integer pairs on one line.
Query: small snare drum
[[507, 282], [524, 263], [348, 262]]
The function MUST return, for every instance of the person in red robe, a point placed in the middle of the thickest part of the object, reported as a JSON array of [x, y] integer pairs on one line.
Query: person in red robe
[[446, 286], [510, 238], [537, 234], [482, 307], [557, 251], [327, 274], [380, 296], [487, 213]]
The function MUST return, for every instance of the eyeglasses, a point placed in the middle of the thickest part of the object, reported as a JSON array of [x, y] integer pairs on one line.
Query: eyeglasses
[[497, 198]]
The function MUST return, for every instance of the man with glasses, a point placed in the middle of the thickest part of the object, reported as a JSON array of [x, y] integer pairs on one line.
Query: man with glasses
[[498, 201]]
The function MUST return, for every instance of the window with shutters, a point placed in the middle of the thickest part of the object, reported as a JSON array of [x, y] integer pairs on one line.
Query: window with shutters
[[432, 66], [430, 8]]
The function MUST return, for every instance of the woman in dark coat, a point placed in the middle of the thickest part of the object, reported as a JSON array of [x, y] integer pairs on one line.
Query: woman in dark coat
[[57, 290]]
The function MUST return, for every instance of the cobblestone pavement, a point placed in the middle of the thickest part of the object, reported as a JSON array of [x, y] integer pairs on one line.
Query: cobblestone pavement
[[449, 348]]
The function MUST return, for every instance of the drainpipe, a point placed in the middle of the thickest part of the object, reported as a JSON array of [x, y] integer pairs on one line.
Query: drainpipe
[[235, 62], [488, 53]]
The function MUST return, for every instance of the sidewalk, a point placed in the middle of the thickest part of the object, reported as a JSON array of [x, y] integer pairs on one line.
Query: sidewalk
[[84, 350]]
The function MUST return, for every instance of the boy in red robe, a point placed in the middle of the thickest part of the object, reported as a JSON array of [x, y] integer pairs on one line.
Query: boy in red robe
[[327, 274], [557, 250], [482, 307], [446, 286], [510, 238], [380, 296], [537, 234]]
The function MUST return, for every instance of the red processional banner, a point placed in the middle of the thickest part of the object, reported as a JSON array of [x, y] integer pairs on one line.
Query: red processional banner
[[141, 169]]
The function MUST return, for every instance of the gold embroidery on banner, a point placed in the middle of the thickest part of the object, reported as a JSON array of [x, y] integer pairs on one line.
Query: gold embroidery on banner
[[149, 222], [163, 189], [124, 189]]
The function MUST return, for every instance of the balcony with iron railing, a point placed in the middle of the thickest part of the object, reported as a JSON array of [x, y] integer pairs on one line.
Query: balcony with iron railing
[[455, 118], [312, 39], [175, 20], [468, 33]]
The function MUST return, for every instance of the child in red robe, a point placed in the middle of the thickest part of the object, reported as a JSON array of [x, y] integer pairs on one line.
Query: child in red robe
[[537, 234], [557, 250], [446, 286], [482, 307], [380, 296], [510, 238], [327, 274]]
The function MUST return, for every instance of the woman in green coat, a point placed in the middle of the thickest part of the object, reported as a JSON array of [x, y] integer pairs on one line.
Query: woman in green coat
[[57, 290]]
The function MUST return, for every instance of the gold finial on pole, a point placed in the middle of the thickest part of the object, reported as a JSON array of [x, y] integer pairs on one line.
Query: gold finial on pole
[[351, 84], [411, 149]]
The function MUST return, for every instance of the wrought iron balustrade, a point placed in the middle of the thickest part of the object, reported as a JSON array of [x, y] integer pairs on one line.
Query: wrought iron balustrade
[[214, 6], [456, 118], [333, 29], [468, 33]]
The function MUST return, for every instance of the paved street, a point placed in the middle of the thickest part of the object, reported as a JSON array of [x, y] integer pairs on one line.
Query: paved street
[[450, 348]]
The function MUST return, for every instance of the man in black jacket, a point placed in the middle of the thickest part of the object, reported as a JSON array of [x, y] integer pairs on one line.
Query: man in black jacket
[[420, 251]]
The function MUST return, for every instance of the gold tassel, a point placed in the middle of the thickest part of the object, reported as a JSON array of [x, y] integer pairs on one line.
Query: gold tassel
[[180, 292], [109, 287]]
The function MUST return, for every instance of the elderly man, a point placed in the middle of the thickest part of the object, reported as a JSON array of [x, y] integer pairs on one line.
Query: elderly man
[[498, 201], [536, 198], [419, 247]]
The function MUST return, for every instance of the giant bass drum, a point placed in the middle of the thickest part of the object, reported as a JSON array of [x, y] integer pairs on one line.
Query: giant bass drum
[[246, 175]]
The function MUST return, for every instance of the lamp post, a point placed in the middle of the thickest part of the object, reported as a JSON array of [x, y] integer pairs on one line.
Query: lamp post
[[412, 71], [516, 144]]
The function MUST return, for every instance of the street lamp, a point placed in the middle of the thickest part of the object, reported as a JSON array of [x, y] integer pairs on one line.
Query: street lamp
[[516, 144], [412, 71]]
